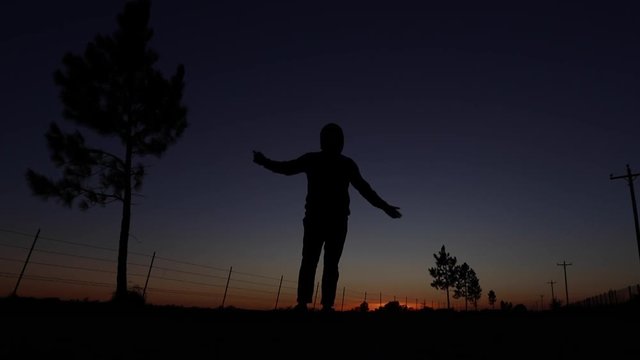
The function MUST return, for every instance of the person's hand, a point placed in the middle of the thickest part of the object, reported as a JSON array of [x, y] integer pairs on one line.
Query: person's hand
[[258, 157], [393, 211]]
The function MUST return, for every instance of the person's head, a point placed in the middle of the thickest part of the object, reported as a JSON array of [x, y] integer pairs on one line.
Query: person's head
[[331, 139]]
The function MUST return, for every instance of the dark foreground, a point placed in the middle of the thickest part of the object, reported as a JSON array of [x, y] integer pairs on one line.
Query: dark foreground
[[46, 329]]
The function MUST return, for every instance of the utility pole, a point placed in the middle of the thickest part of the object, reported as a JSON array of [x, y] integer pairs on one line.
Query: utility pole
[[566, 287], [553, 297], [629, 177]]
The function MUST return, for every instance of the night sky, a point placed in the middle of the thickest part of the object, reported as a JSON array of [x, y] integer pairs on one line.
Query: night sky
[[494, 131]]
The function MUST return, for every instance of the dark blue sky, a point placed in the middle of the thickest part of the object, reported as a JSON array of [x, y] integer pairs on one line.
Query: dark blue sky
[[494, 131]]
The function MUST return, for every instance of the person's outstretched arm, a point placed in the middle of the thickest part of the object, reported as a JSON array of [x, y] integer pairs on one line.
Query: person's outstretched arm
[[291, 167], [372, 197]]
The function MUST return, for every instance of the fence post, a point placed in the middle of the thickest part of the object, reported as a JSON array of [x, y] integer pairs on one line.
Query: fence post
[[224, 298], [278, 296], [144, 291], [15, 290]]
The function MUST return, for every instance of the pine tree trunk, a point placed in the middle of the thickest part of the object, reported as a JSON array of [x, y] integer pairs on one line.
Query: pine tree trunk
[[466, 297], [121, 284], [121, 281], [448, 304]]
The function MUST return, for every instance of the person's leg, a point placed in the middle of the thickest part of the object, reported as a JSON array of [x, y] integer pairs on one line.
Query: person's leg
[[311, 249], [335, 234]]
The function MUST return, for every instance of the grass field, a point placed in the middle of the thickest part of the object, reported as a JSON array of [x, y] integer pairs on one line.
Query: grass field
[[49, 328]]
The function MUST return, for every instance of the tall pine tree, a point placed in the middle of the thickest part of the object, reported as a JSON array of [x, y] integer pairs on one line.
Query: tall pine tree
[[444, 273], [113, 90]]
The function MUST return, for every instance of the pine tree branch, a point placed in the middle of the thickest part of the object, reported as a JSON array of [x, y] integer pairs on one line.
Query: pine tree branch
[[108, 154], [85, 192]]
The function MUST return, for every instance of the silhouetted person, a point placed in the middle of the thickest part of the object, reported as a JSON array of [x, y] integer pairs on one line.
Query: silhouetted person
[[329, 174]]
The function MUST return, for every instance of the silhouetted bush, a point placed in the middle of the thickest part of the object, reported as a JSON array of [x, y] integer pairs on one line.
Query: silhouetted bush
[[519, 308], [506, 306], [364, 307], [392, 306]]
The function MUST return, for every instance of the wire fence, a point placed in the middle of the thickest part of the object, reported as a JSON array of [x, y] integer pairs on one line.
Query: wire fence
[[41, 266], [611, 297]]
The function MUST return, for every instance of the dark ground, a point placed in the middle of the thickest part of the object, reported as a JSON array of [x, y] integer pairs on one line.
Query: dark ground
[[49, 328]]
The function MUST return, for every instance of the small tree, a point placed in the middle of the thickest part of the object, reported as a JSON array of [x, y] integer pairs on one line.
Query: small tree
[[462, 283], [474, 291], [113, 90], [506, 305], [467, 286], [492, 298], [444, 273]]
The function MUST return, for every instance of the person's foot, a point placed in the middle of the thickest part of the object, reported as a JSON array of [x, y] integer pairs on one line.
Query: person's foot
[[301, 307], [327, 309]]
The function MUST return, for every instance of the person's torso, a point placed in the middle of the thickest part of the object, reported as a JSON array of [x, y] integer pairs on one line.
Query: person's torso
[[328, 177]]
